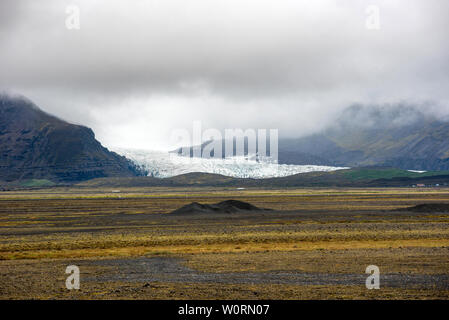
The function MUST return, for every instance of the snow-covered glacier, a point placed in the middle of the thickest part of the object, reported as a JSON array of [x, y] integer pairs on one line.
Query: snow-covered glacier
[[164, 164]]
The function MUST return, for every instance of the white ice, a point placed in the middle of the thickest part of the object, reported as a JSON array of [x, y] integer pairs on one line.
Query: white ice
[[163, 164]]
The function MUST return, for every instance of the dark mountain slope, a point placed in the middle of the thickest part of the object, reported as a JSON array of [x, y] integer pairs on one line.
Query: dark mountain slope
[[392, 136], [36, 145], [399, 136]]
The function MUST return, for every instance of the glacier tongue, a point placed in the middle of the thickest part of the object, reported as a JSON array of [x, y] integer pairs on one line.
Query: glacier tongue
[[163, 165]]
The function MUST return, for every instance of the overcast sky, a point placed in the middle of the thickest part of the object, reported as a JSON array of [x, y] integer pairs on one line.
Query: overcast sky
[[135, 70]]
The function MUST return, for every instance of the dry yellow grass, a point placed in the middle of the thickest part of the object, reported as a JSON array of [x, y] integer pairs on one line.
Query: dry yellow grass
[[129, 251], [328, 230]]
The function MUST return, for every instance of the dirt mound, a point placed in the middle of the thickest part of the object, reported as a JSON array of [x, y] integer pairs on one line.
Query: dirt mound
[[228, 206], [428, 207], [194, 207]]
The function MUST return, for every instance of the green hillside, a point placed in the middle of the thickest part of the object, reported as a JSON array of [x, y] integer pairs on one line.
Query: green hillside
[[357, 177]]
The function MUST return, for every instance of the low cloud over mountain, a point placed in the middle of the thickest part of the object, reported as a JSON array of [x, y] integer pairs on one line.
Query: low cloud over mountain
[[36, 145], [136, 70]]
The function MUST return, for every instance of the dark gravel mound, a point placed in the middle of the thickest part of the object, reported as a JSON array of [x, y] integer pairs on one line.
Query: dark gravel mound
[[194, 207], [428, 207], [228, 206], [235, 204]]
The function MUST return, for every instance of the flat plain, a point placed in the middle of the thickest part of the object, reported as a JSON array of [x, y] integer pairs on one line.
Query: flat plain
[[314, 244]]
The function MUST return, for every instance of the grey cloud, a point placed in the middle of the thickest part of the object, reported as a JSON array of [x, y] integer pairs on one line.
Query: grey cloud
[[290, 64]]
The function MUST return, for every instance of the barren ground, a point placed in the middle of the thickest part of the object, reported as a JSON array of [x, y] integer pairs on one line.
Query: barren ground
[[316, 243]]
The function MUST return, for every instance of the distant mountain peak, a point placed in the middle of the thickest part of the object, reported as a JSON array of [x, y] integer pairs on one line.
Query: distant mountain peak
[[382, 116], [402, 136]]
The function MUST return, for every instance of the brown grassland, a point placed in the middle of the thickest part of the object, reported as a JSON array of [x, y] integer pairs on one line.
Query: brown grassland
[[315, 244]]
